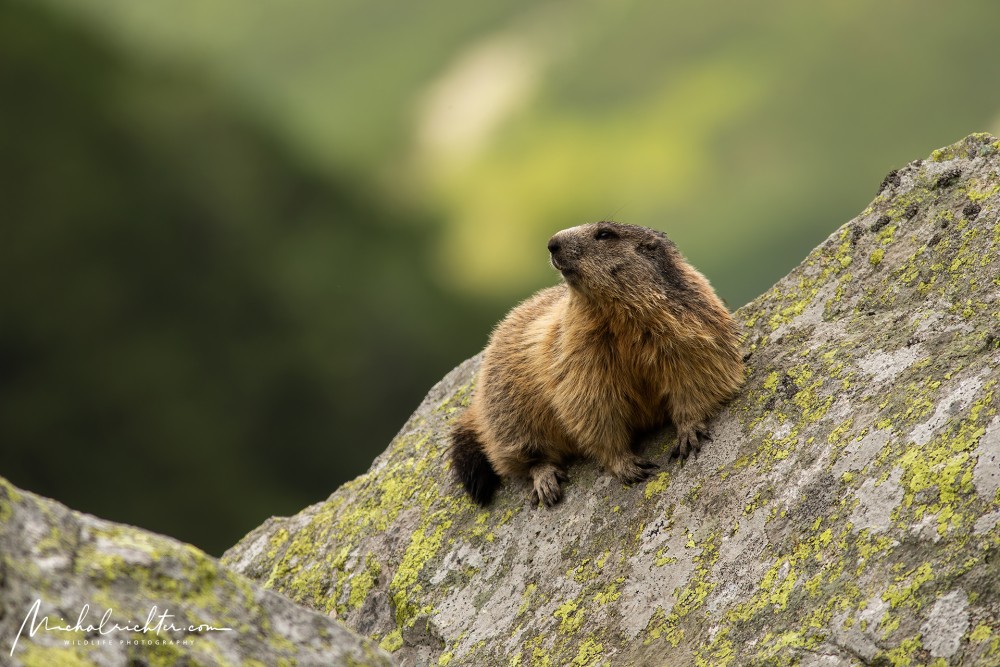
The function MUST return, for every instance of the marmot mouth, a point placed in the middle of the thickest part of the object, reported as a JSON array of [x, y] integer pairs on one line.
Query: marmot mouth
[[561, 269], [569, 275]]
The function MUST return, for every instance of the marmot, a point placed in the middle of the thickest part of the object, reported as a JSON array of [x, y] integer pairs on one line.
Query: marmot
[[634, 337]]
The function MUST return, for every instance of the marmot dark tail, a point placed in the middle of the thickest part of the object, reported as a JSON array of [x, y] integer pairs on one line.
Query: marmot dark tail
[[472, 467]]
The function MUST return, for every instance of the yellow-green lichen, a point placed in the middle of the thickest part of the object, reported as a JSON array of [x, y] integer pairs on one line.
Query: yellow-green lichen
[[363, 582], [8, 496], [392, 642], [657, 485], [589, 653], [981, 633], [886, 235], [459, 399], [610, 593], [902, 655], [529, 592], [784, 307], [976, 195], [404, 588], [937, 476], [34, 655], [903, 590], [539, 656], [662, 559], [404, 480], [771, 382], [719, 653], [570, 617], [691, 596], [275, 542]]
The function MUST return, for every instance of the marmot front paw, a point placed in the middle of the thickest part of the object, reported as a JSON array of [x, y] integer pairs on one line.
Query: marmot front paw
[[690, 439]]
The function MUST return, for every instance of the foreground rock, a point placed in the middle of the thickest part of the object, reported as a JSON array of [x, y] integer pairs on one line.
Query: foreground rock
[[845, 514], [54, 561]]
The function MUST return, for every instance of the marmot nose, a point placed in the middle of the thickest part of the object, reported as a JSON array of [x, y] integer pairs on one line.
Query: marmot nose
[[554, 245]]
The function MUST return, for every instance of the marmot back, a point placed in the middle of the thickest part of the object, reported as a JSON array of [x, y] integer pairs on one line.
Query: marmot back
[[633, 338]]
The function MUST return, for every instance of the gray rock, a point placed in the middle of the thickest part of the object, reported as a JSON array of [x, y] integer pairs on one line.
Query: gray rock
[[74, 570], [848, 493], [947, 621]]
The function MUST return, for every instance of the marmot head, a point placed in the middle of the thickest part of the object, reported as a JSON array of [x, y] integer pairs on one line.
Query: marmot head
[[613, 261]]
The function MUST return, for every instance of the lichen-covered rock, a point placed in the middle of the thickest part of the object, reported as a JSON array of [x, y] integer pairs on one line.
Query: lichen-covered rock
[[846, 513], [79, 571]]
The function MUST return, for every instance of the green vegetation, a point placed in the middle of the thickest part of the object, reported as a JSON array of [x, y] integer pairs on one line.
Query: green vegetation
[[198, 332], [242, 242]]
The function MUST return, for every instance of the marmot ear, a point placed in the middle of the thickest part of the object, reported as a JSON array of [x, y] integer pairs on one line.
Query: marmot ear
[[652, 249], [649, 247], [662, 253], [658, 242]]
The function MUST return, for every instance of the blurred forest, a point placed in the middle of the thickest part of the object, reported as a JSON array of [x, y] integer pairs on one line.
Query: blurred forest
[[241, 241]]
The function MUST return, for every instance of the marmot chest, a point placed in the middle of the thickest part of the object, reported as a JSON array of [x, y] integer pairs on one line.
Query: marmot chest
[[630, 369]]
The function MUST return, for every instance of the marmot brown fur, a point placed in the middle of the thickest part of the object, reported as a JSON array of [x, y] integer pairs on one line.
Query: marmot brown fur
[[634, 337]]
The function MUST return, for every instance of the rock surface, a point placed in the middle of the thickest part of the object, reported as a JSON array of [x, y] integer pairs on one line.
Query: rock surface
[[846, 513], [66, 560]]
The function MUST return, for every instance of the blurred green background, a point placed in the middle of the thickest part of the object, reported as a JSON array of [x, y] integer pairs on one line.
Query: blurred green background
[[241, 240]]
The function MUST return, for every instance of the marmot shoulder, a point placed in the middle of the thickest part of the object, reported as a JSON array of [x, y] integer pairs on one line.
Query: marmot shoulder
[[634, 337]]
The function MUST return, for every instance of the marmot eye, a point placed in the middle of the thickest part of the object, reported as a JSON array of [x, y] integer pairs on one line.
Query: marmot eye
[[604, 234]]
